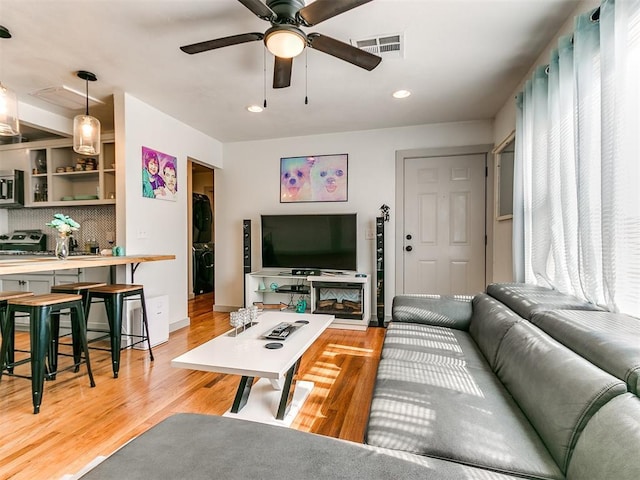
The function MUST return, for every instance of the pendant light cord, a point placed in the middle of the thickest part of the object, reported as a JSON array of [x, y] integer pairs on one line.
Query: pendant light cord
[[87, 96]]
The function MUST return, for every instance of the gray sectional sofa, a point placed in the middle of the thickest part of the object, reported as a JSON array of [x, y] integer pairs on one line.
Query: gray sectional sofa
[[520, 382]]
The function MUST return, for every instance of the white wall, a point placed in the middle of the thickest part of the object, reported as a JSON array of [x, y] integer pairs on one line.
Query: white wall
[[48, 121], [248, 186], [150, 226], [505, 122]]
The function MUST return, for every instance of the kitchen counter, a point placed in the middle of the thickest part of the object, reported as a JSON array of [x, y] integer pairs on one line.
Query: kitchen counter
[[11, 265]]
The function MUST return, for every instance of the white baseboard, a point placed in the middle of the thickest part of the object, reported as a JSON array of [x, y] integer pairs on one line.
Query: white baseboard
[[185, 322], [224, 308]]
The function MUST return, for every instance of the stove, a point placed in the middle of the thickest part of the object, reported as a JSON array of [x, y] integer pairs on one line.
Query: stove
[[28, 241]]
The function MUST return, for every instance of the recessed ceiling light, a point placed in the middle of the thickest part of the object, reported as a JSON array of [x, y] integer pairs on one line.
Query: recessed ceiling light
[[254, 108], [401, 94]]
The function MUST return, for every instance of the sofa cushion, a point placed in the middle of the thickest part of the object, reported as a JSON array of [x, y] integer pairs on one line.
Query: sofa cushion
[[455, 412], [608, 446], [199, 447], [609, 340], [452, 312], [414, 342], [557, 389], [526, 299], [490, 321]]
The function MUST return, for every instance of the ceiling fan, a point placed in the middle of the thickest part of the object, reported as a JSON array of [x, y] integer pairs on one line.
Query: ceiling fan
[[285, 39]]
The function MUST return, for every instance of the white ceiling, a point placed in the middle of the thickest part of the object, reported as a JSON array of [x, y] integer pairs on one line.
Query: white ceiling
[[462, 59]]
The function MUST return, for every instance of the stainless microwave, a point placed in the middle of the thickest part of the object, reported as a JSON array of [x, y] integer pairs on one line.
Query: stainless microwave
[[11, 188]]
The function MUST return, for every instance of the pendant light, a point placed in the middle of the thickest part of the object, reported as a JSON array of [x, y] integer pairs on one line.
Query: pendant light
[[9, 125], [86, 129]]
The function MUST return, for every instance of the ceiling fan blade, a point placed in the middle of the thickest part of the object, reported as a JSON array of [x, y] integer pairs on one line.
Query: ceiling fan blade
[[282, 72], [221, 42], [321, 10], [259, 9], [343, 51]]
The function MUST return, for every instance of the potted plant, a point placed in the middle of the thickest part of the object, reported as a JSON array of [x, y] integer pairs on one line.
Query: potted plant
[[65, 225]]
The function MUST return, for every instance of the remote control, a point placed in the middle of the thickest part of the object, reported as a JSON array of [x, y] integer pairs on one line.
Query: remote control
[[281, 327], [281, 331]]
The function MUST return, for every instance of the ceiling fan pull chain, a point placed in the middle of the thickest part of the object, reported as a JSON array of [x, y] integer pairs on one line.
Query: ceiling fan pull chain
[[306, 76], [264, 79]]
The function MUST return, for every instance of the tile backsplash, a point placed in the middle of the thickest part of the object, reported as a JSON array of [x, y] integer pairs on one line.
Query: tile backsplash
[[96, 222]]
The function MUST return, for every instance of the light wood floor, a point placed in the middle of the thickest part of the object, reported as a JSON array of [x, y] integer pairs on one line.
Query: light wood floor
[[77, 423]]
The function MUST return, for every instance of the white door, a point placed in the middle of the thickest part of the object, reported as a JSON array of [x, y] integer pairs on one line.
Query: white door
[[444, 224]]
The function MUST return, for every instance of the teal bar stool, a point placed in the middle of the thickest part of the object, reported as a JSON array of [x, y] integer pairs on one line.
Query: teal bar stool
[[79, 288], [39, 308], [114, 297], [4, 298]]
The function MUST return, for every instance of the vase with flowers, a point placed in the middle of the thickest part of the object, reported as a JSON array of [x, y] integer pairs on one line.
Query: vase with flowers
[[65, 225]]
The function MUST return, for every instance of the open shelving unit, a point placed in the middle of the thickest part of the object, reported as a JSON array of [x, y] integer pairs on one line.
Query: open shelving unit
[[61, 177]]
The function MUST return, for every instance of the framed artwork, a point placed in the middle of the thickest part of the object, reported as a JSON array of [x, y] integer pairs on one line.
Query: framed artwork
[[321, 178], [159, 175]]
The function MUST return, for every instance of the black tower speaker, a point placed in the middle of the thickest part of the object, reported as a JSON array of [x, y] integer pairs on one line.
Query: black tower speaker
[[246, 256], [380, 270]]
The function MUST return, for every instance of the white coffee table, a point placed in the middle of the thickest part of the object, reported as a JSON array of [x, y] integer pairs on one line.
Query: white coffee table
[[246, 355]]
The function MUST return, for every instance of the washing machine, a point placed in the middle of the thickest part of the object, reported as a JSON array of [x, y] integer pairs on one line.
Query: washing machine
[[203, 268]]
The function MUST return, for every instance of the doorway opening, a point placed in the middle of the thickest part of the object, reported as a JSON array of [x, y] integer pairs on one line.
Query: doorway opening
[[202, 230]]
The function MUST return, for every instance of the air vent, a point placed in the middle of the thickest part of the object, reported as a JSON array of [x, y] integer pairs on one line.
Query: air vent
[[388, 46], [66, 97]]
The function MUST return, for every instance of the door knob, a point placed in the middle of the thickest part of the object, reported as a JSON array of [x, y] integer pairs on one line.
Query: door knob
[[408, 248]]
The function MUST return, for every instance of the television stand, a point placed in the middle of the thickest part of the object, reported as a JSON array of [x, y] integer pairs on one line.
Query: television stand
[[341, 294]]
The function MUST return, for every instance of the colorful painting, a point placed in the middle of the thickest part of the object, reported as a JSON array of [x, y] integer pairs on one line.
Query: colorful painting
[[159, 175], [322, 178]]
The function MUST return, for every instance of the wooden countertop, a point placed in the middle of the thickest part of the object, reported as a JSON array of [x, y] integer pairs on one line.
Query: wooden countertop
[[12, 265]]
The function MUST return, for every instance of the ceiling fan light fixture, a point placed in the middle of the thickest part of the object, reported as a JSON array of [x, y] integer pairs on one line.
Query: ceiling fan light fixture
[[285, 41], [86, 129]]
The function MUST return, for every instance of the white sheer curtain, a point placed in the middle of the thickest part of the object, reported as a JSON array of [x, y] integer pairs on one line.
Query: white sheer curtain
[[620, 47], [577, 189]]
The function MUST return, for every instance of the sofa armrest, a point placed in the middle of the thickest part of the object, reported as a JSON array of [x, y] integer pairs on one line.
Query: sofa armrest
[[195, 446], [437, 310]]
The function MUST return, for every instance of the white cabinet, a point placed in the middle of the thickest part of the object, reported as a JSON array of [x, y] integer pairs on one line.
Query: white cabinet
[[345, 296], [41, 283], [37, 283], [157, 318]]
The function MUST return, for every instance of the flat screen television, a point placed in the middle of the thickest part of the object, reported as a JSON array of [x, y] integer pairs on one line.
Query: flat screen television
[[319, 241]]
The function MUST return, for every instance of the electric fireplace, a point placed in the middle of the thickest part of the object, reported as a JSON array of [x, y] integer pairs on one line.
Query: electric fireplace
[[341, 299]]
